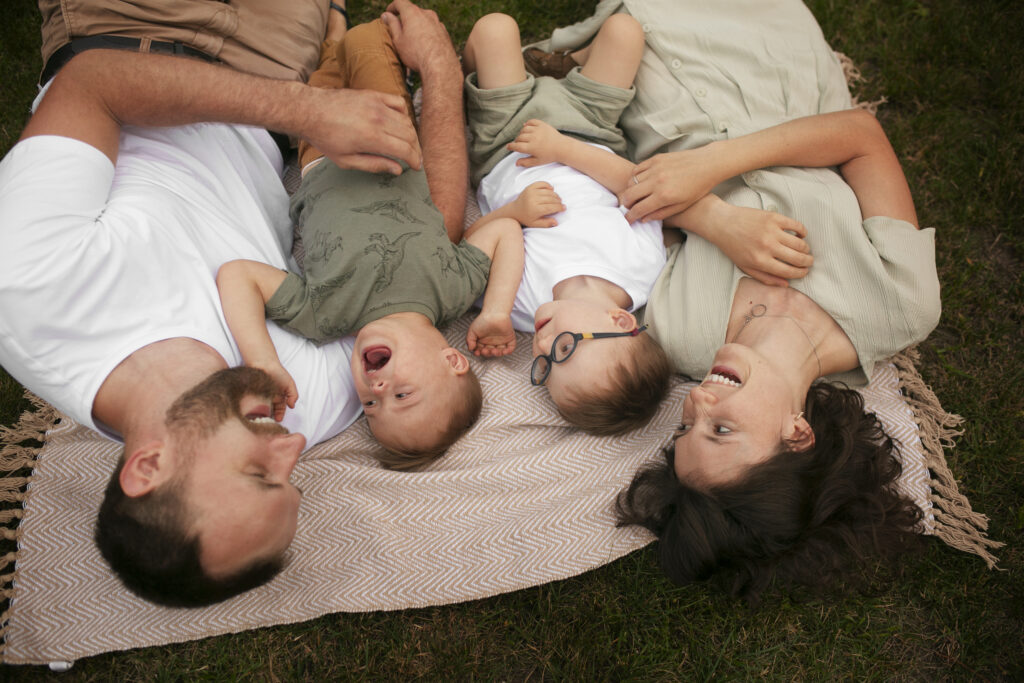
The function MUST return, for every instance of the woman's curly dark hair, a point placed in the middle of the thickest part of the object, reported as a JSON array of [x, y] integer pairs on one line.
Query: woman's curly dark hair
[[801, 518]]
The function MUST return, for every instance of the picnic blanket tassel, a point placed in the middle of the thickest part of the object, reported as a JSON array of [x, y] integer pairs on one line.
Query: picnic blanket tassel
[[854, 76], [956, 524], [14, 457]]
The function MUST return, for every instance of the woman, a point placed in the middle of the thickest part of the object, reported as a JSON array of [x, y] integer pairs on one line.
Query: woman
[[772, 474]]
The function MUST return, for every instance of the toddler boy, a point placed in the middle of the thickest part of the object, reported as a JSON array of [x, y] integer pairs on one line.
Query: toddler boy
[[586, 268], [380, 262]]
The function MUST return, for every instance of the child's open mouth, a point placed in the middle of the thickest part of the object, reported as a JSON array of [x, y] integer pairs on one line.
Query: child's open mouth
[[376, 357]]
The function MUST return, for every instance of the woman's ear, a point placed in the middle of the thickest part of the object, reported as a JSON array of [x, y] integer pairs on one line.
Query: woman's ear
[[802, 436], [458, 362], [143, 470], [624, 320]]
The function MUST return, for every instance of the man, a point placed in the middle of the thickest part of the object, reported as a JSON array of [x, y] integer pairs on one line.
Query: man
[[115, 213]]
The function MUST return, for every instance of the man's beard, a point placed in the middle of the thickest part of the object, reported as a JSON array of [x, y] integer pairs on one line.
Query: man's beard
[[201, 410]]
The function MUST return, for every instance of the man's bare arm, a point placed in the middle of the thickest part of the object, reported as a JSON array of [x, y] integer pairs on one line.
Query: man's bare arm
[[423, 45], [99, 91]]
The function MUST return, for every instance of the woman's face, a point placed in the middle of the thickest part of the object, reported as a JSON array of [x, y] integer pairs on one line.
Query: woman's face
[[736, 418]]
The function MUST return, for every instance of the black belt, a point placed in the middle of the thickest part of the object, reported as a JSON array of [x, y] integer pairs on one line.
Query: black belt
[[64, 54]]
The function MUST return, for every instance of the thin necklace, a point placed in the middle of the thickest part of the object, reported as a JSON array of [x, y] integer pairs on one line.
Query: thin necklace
[[761, 311]]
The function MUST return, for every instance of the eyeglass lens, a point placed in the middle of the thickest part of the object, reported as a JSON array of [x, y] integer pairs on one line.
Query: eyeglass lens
[[563, 347]]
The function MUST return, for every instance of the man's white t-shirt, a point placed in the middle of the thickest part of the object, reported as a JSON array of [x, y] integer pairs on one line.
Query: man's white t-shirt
[[97, 261], [592, 236]]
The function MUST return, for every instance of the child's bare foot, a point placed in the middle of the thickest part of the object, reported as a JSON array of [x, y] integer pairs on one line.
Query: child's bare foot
[[337, 21]]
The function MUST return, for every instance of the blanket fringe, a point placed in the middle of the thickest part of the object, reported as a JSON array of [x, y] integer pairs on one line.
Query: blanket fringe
[[854, 76], [14, 457], [956, 524]]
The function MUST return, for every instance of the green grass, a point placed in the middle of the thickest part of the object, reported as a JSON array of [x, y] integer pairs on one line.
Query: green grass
[[953, 73]]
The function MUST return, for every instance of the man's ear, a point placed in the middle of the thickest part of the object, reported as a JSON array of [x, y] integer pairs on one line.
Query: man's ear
[[624, 320], [802, 436], [144, 469], [458, 362]]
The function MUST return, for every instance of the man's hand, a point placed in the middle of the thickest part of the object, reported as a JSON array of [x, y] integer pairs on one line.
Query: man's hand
[[540, 141], [99, 91], [534, 206], [420, 39], [667, 184], [491, 336], [362, 129]]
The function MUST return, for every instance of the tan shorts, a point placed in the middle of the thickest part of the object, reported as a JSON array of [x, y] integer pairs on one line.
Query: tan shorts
[[365, 59]]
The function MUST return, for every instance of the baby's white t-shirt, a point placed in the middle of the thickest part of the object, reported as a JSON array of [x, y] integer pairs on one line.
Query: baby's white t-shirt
[[592, 236]]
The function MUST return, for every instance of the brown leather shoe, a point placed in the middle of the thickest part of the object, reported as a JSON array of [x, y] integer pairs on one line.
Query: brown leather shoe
[[554, 64]]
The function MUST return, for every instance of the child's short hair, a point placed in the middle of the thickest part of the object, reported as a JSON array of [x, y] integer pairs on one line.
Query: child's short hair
[[466, 403], [630, 396]]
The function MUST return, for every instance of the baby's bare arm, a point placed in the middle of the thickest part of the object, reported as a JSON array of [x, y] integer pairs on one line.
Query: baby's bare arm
[[545, 145], [491, 334], [245, 287]]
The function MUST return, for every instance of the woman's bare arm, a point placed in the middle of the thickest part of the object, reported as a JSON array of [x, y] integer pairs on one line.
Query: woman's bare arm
[[853, 140]]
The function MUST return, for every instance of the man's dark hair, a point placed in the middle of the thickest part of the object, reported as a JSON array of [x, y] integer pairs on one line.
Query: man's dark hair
[[800, 518], [147, 542]]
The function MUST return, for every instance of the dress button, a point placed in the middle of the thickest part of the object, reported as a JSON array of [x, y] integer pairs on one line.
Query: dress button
[[647, 28], [676, 64], [701, 92], [771, 207], [723, 126]]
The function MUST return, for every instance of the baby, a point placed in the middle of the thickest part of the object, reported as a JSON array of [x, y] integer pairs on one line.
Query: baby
[[380, 263], [586, 268]]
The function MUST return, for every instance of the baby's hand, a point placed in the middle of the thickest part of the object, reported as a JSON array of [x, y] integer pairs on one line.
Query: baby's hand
[[767, 246], [287, 393], [535, 204], [539, 140], [491, 335]]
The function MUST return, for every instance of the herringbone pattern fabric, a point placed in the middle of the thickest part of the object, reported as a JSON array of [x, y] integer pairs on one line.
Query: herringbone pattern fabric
[[521, 500]]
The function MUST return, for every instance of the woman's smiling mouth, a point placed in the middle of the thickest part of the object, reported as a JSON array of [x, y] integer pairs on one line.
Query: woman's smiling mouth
[[723, 375]]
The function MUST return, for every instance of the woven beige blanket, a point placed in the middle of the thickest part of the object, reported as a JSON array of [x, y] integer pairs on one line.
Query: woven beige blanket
[[521, 500]]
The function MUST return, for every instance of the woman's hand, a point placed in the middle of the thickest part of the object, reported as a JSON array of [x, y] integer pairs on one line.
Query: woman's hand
[[491, 335], [668, 184], [767, 246], [534, 206], [540, 141]]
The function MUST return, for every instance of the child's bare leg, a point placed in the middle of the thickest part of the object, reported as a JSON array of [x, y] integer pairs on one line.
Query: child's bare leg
[[614, 55], [493, 51], [581, 56]]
